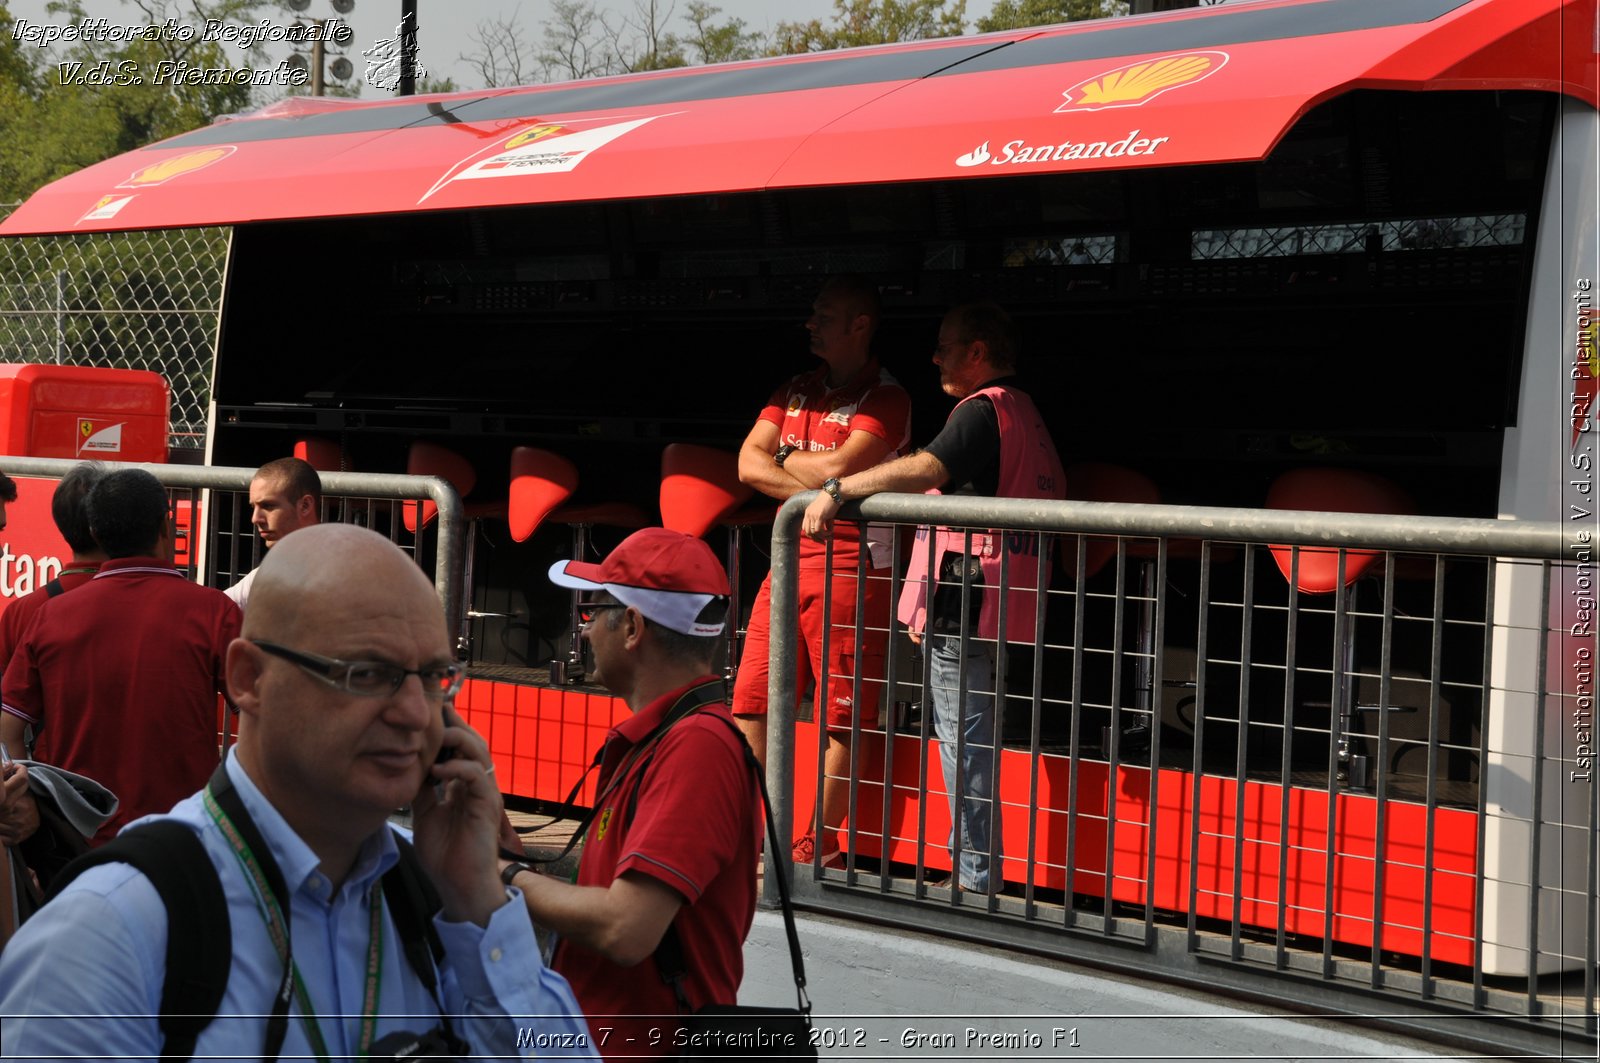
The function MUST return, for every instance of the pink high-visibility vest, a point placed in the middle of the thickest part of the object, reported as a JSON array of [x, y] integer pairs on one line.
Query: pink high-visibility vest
[[1029, 468]]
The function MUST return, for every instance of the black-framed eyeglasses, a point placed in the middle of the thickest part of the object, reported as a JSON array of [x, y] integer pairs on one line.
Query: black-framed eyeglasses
[[371, 679], [588, 610]]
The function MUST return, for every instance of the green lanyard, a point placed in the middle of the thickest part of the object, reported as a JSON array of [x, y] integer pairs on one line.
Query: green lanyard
[[271, 908]]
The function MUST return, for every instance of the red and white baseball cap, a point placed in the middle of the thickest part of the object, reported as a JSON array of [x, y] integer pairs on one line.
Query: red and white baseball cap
[[666, 575]]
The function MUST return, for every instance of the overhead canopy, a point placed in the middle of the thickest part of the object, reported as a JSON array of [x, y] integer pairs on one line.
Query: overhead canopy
[[1218, 84]]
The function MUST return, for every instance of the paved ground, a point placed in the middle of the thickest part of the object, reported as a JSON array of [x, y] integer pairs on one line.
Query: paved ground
[[896, 995]]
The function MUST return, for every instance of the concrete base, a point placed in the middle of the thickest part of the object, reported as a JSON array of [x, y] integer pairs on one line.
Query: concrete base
[[908, 996]]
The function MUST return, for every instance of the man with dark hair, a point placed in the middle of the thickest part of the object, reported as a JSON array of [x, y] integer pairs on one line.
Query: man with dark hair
[[674, 836], [8, 494], [72, 521], [843, 417], [119, 679], [285, 496], [995, 444]]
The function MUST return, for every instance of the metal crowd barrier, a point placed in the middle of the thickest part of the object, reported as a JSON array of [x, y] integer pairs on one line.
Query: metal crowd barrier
[[224, 546], [1377, 801]]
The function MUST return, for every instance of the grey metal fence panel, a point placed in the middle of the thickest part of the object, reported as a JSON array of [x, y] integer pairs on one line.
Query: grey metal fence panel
[[1255, 638], [130, 300], [209, 488]]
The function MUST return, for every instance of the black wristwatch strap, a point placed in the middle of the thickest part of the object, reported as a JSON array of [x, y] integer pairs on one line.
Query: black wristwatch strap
[[783, 453], [512, 870]]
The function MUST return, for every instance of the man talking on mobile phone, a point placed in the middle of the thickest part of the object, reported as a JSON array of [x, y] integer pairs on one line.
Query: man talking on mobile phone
[[343, 678]]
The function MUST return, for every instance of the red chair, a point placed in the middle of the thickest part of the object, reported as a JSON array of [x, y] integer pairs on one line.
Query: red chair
[[430, 459], [1330, 490], [321, 453], [701, 490], [699, 487], [541, 483]]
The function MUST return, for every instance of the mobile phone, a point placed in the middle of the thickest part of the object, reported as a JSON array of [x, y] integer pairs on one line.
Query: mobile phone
[[5, 756]]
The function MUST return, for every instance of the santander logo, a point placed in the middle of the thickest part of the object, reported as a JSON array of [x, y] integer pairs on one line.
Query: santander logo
[[976, 157]]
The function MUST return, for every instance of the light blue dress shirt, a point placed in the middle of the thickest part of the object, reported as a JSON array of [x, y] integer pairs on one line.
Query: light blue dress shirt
[[97, 954]]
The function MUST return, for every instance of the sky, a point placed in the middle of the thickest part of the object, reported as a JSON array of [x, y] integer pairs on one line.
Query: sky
[[445, 28]]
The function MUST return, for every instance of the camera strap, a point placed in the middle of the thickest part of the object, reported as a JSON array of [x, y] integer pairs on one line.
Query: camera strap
[[695, 698], [227, 810]]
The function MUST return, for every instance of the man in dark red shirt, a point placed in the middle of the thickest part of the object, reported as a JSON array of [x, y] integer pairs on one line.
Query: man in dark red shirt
[[673, 838], [72, 521], [119, 679]]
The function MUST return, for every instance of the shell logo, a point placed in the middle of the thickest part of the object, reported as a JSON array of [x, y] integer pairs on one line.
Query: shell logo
[[529, 135], [160, 173], [1138, 83]]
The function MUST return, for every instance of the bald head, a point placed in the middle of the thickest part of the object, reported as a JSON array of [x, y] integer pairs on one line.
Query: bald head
[[331, 570]]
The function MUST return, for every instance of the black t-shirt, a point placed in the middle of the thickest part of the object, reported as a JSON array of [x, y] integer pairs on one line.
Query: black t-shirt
[[969, 446]]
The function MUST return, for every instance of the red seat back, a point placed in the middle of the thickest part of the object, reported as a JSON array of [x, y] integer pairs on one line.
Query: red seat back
[[1093, 481], [699, 487], [320, 452], [540, 481], [1332, 491], [430, 459]]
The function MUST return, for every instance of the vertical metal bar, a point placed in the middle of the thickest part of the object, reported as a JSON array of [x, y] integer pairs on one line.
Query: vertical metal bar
[[958, 797], [1486, 690], [1241, 744], [1157, 640], [1114, 743], [785, 611], [1036, 727], [889, 705], [819, 707], [863, 554], [1381, 831], [997, 711], [1341, 621], [1192, 943], [1535, 840], [1286, 777], [925, 719], [61, 317], [1431, 801], [1075, 749]]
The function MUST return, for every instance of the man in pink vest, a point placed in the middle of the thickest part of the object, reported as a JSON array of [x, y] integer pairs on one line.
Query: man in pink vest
[[995, 444]]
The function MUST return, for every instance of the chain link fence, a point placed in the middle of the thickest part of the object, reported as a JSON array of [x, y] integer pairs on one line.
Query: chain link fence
[[136, 300]]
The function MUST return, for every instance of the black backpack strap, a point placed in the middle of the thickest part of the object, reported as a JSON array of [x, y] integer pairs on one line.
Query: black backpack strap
[[54, 588], [199, 934]]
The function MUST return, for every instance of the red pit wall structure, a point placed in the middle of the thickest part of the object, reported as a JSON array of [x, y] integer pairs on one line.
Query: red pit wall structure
[[542, 740]]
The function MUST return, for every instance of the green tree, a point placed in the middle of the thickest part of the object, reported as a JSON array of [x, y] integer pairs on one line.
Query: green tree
[[1020, 14], [55, 118], [709, 41], [859, 22]]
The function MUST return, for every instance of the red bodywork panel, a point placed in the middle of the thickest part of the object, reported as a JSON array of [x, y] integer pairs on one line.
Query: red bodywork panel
[[1206, 85]]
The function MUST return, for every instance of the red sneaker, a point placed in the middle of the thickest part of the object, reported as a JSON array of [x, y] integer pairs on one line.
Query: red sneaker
[[805, 853]]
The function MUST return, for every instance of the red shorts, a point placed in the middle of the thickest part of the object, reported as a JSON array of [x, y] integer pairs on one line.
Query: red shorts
[[750, 688]]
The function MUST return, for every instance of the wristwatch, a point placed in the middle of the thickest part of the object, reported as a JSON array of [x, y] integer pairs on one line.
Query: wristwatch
[[783, 453], [831, 485], [514, 869]]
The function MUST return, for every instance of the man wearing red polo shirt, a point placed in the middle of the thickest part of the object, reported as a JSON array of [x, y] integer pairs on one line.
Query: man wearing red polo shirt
[[673, 839], [845, 416], [119, 679]]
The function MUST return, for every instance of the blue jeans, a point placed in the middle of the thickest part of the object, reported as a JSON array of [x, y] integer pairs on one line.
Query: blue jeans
[[974, 723]]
